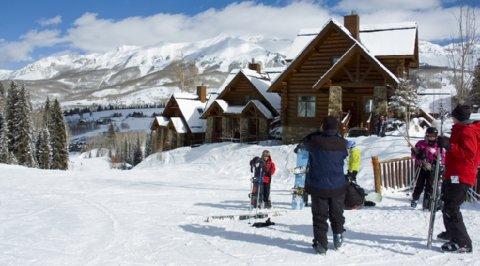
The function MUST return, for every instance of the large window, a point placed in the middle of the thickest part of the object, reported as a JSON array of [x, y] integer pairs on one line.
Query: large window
[[306, 106]]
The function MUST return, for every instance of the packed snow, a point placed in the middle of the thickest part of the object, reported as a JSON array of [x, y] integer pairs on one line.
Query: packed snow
[[155, 214]]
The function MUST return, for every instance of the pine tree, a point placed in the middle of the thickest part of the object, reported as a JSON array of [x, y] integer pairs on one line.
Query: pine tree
[[137, 154], [475, 91], [20, 125], [43, 150], [58, 137], [4, 153], [148, 145], [2, 97], [111, 136], [404, 102]]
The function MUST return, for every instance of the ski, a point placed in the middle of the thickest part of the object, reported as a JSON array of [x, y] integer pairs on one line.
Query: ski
[[374, 197], [241, 217]]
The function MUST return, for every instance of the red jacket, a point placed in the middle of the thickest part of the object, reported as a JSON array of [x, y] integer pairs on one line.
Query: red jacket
[[268, 171], [463, 157]]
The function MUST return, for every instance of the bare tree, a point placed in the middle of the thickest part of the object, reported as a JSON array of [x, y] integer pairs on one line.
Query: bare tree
[[462, 50], [186, 72]]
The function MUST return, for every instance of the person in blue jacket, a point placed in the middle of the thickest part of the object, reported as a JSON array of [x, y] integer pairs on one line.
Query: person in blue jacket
[[326, 183]]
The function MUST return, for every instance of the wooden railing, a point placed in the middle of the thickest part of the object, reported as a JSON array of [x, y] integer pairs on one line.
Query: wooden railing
[[394, 173]]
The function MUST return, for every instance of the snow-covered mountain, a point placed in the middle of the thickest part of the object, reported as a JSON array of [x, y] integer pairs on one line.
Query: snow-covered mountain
[[131, 74]]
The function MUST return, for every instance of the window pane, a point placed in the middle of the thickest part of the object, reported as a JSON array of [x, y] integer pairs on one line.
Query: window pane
[[310, 109], [301, 108]]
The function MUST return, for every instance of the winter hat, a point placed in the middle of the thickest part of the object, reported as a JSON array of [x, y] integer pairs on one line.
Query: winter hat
[[330, 123], [351, 144], [265, 153], [462, 112]]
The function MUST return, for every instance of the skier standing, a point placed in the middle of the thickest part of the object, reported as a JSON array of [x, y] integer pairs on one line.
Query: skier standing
[[354, 160], [326, 183], [461, 163], [268, 171], [425, 155]]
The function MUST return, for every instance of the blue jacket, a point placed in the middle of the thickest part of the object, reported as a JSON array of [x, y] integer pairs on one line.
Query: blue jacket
[[325, 176]]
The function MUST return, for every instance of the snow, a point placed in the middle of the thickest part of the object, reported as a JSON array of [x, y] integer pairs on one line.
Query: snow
[[162, 121], [190, 109], [388, 39], [262, 108], [178, 125], [154, 214]]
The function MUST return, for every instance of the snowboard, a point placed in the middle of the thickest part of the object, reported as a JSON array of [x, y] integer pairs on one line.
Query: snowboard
[[257, 182], [300, 174]]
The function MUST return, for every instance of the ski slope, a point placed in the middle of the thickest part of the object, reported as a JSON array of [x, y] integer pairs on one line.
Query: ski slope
[[154, 214]]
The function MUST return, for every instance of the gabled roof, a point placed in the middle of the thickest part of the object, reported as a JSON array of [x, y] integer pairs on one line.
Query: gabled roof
[[239, 109], [307, 37], [191, 109], [161, 121], [392, 39], [345, 59], [260, 81], [178, 124]]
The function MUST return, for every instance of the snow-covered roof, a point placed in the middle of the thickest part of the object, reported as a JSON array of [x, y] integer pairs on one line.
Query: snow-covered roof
[[381, 39], [178, 125], [261, 81], [238, 109], [262, 108], [192, 110], [161, 121], [390, 39]]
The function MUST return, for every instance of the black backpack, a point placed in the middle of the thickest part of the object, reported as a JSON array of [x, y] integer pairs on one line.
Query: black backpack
[[355, 196]]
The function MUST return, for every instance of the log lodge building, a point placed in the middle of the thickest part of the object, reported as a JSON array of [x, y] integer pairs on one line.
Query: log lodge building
[[348, 71]]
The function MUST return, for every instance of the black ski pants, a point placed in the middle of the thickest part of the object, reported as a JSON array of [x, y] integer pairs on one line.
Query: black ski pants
[[453, 196], [324, 209], [424, 184], [266, 194]]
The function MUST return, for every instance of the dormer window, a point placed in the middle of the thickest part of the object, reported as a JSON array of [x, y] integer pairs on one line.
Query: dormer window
[[200, 110]]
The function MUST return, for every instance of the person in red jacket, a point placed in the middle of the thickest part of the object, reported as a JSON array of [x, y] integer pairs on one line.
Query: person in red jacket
[[461, 163], [268, 170]]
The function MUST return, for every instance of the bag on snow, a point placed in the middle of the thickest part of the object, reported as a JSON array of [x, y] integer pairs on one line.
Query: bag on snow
[[355, 196]]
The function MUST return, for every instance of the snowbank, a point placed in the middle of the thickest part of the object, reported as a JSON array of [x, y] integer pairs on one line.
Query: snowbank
[[232, 159]]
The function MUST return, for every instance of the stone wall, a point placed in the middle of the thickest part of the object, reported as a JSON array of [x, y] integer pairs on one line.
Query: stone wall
[[335, 101], [295, 134]]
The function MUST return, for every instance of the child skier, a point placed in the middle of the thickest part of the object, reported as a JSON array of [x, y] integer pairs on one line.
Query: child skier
[[425, 154], [268, 171], [353, 160]]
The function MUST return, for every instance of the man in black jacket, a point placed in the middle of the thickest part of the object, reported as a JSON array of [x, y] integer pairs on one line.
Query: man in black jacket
[[326, 183]]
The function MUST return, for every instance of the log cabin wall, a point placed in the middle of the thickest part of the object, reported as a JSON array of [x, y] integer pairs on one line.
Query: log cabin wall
[[300, 82]]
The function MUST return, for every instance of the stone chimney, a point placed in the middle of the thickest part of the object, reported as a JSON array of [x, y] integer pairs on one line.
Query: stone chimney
[[255, 66], [202, 93], [352, 23]]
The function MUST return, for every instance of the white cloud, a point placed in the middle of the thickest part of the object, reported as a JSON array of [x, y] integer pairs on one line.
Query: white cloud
[[375, 5], [50, 21], [20, 51], [94, 34]]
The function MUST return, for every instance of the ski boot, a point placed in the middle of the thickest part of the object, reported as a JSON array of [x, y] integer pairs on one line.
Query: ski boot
[[337, 240], [444, 236], [456, 248], [319, 249], [268, 205], [413, 204]]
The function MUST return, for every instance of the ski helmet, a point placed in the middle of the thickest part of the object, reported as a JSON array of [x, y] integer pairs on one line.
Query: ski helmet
[[351, 144], [431, 130]]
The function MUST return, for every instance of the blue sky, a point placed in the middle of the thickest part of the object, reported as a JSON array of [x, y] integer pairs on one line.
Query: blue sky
[[30, 30]]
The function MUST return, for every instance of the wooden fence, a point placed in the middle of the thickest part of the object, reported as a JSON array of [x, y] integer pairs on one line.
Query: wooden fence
[[394, 173]]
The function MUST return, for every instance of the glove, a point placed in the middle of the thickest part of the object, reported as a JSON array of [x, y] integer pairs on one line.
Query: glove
[[352, 175], [443, 142], [427, 166], [421, 155]]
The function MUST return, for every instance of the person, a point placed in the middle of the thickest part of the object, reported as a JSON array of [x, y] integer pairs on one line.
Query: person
[[425, 155], [268, 171], [354, 160], [326, 183], [381, 126], [461, 163]]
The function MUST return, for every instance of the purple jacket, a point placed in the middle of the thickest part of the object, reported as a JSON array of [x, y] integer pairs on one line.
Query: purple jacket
[[430, 152]]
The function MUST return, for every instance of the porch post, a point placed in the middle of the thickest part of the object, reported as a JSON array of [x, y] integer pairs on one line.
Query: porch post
[[335, 101], [209, 130], [380, 101]]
